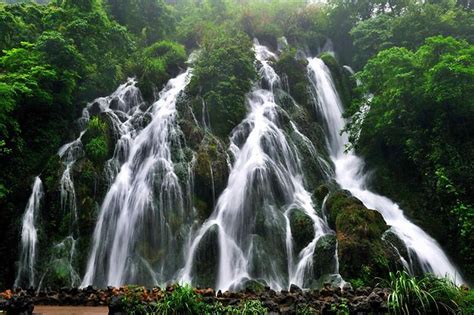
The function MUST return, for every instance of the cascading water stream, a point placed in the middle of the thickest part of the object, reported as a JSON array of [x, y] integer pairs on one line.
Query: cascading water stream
[[144, 214], [265, 186], [29, 237], [350, 175]]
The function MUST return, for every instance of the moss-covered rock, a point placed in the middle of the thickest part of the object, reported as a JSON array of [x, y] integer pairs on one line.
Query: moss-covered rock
[[302, 228], [321, 192], [359, 233], [294, 70], [324, 260], [210, 174], [206, 259]]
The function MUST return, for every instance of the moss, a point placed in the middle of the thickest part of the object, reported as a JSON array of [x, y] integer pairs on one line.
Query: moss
[[202, 208], [295, 71], [97, 140], [321, 192], [359, 233], [210, 172], [324, 259], [301, 228]]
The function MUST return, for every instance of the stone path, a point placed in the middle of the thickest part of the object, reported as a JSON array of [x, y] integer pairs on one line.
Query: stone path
[[67, 310]]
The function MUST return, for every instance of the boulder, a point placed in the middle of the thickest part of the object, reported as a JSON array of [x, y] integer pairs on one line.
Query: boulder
[[359, 234], [302, 228], [324, 260]]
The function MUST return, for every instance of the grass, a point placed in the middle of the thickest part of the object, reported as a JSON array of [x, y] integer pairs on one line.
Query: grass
[[184, 301], [424, 295]]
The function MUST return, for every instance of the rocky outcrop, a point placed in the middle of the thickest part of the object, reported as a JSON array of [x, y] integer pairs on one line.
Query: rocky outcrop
[[362, 252]]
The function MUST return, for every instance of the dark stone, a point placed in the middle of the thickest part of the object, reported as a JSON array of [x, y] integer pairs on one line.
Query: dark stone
[[94, 109], [114, 104], [360, 304], [295, 289], [375, 300]]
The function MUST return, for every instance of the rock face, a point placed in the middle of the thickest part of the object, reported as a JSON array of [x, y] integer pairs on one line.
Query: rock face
[[362, 253]]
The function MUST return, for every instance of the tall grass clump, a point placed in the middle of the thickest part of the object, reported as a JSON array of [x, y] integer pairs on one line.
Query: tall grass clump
[[423, 295]]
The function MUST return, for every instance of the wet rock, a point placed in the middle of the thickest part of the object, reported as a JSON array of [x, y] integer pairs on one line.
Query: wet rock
[[375, 300], [359, 234], [114, 104], [360, 304], [94, 109], [302, 229], [321, 192], [206, 259], [295, 289], [324, 259], [254, 286]]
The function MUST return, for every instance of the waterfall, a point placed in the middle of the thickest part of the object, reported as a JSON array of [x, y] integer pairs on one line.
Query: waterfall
[[350, 175], [143, 217], [265, 186], [29, 237]]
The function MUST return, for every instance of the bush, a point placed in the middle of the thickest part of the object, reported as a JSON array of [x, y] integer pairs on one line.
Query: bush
[[222, 75], [96, 141]]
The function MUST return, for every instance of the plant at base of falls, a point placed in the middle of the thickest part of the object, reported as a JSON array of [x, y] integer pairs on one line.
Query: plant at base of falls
[[305, 309], [182, 300], [247, 307], [422, 295], [407, 294], [132, 302], [341, 308], [253, 307]]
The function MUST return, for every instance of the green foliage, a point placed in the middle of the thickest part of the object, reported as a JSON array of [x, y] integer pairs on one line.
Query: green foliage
[[96, 141], [156, 64], [149, 20], [408, 294], [422, 295], [409, 29], [342, 308], [183, 300], [222, 75], [420, 119]]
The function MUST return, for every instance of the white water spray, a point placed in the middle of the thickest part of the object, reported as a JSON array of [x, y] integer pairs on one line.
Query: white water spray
[[29, 237]]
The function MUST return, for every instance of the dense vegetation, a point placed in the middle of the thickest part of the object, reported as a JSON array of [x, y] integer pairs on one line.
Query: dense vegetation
[[415, 60]]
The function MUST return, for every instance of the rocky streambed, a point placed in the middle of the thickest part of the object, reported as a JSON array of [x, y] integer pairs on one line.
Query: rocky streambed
[[327, 300]]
